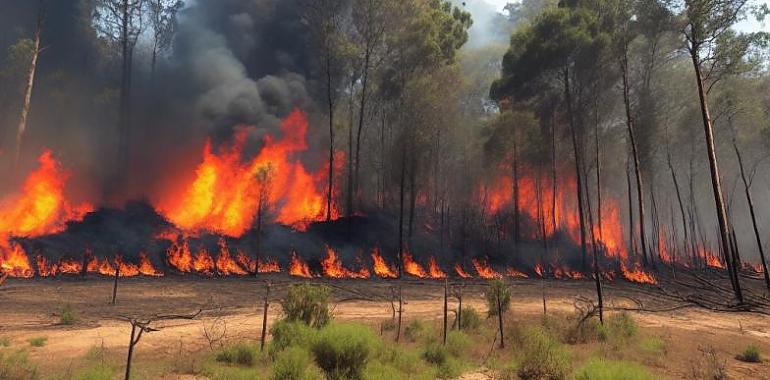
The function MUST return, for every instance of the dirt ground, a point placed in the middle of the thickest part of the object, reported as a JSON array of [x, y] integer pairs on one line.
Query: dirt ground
[[32, 308]]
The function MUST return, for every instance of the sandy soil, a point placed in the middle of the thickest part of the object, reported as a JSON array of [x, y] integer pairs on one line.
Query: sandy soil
[[31, 308]]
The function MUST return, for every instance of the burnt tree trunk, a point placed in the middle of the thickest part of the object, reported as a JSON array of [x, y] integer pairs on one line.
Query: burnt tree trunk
[[264, 317], [330, 104], [500, 320], [747, 188], [115, 284], [596, 272], [631, 234], [716, 181], [681, 205], [578, 174], [446, 305]]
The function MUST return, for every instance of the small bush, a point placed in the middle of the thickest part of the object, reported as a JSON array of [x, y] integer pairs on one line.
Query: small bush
[[16, 366], [376, 370], [450, 369], [416, 330], [653, 345], [240, 354], [497, 289], [435, 353], [388, 325], [67, 316], [457, 343], [470, 319], [5, 341], [286, 334], [403, 360], [295, 363], [601, 369], [750, 355], [307, 303], [621, 326], [97, 372], [37, 341], [342, 351], [543, 357]]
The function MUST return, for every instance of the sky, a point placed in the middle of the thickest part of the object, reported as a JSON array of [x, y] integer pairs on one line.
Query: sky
[[749, 25]]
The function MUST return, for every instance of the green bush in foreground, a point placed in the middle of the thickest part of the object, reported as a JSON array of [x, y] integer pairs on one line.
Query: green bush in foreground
[[5, 341], [497, 289], [307, 303], [240, 354], [457, 343], [286, 334], [295, 363], [37, 341], [750, 355], [343, 350], [435, 353], [618, 328], [416, 330], [16, 366], [470, 319], [98, 372], [543, 357], [601, 369]]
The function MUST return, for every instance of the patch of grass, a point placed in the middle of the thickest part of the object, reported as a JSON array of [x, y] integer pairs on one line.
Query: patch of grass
[[402, 360], [96, 372], [16, 366], [240, 354], [388, 325], [308, 304], [39, 341], [215, 371], [497, 290], [652, 345], [342, 350], [470, 319], [416, 330], [602, 369], [286, 334], [5, 341], [68, 316], [295, 363], [450, 369], [457, 343], [750, 355], [618, 329], [543, 357], [435, 353]]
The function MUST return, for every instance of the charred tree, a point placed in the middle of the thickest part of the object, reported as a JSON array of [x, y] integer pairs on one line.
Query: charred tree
[[578, 172], [29, 84], [747, 182], [264, 316], [115, 284]]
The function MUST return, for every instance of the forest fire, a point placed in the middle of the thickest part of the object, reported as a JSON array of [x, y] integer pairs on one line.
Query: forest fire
[[637, 274], [298, 267], [333, 268], [412, 267], [484, 270], [381, 267]]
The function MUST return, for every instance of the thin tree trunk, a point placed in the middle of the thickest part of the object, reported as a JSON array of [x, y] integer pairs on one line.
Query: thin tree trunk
[[349, 197], [596, 272], [446, 305], [716, 182], [361, 114], [500, 321], [401, 216], [330, 99], [131, 343], [681, 204], [516, 197], [264, 317], [578, 174], [631, 234], [635, 153], [747, 188], [28, 87], [400, 311]]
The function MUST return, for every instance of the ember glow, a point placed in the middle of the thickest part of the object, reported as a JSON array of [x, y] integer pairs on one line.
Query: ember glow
[[637, 274], [333, 267], [381, 267], [484, 270], [412, 267]]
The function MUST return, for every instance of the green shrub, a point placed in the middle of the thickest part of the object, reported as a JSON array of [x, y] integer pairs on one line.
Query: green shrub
[[295, 363], [287, 334], [457, 342], [68, 316], [435, 353], [388, 325], [470, 319], [543, 357], [416, 330], [241, 354], [37, 341], [97, 372], [621, 326], [307, 303], [16, 366], [602, 369], [497, 289], [450, 369], [5, 341], [342, 350], [376, 370], [750, 355], [652, 345], [401, 359]]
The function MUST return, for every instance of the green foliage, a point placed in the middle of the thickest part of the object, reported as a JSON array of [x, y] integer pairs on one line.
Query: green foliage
[[240, 354], [750, 355], [652, 345], [403, 360], [16, 366], [450, 369], [435, 353], [39, 341], [307, 303], [497, 290], [470, 319], [295, 363], [342, 350], [96, 372], [5, 341], [618, 329], [602, 369], [68, 316], [286, 334], [543, 357], [457, 343], [416, 330]]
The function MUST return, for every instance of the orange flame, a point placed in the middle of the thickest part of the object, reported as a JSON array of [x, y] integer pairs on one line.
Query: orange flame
[[637, 274], [412, 267], [511, 272], [298, 267], [225, 263], [226, 193], [434, 270], [461, 272], [484, 270], [332, 267], [712, 260], [381, 268], [146, 268]]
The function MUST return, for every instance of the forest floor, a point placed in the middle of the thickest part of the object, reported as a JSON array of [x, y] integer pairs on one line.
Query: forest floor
[[32, 309]]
